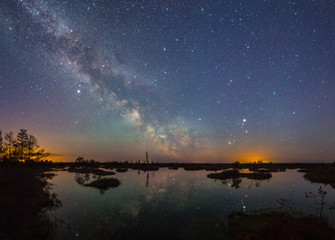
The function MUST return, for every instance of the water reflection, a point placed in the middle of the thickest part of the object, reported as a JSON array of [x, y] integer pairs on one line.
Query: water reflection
[[234, 177], [82, 179], [167, 204], [96, 181], [147, 183]]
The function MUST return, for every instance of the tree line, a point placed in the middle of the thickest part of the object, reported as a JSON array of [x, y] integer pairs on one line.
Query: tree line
[[22, 148]]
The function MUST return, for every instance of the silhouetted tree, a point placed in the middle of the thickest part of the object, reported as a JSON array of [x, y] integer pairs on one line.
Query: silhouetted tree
[[80, 160], [31, 147], [33, 153], [10, 146], [23, 148], [21, 144], [236, 164], [1, 145], [39, 155]]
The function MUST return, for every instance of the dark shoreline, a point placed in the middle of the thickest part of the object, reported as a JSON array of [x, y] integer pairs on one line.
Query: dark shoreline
[[24, 200], [25, 186], [194, 166], [313, 172]]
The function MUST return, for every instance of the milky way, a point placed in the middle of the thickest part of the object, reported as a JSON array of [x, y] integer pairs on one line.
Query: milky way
[[209, 82]]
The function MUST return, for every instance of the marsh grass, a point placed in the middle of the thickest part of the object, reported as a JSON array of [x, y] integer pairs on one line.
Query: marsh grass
[[104, 184], [279, 225], [321, 174]]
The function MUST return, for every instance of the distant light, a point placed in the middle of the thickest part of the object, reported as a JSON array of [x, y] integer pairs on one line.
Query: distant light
[[244, 120], [78, 91], [164, 49]]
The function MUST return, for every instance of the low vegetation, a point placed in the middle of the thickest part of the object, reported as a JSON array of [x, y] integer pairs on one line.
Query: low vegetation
[[324, 173], [104, 184], [279, 225], [88, 170], [228, 174]]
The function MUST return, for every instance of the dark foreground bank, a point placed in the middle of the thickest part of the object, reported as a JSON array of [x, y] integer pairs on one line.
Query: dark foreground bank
[[24, 199]]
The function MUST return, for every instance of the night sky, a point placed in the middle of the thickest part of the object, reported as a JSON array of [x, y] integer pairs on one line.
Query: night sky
[[187, 81]]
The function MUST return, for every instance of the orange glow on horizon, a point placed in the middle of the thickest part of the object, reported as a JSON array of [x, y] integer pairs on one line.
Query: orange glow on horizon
[[251, 158], [59, 158]]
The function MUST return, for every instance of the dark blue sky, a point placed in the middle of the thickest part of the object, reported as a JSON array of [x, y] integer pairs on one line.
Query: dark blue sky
[[212, 81]]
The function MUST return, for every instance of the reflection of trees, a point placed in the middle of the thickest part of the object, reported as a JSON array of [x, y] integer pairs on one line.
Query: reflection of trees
[[84, 178], [81, 178], [234, 177], [96, 181], [25, 202], [234, 182], [87, 177], [256, 183]]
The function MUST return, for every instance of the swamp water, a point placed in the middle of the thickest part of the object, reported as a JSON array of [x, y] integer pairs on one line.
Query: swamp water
[[170, 204]]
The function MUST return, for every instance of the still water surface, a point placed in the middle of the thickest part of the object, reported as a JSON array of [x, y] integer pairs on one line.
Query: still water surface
[[163, 204]]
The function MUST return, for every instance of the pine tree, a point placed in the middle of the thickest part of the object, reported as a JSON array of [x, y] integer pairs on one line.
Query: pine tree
[[33, 151], [1, 144], [31, 147], [2, 150], [21, 144], [10, 145]]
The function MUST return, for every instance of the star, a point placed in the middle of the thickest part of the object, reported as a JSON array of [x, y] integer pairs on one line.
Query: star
[[154, 76]]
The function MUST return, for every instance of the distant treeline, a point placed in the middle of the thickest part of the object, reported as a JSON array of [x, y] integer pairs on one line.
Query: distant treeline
[[22, 148]]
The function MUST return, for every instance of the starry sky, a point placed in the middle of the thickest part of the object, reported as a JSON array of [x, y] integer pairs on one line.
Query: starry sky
[[187, 81]]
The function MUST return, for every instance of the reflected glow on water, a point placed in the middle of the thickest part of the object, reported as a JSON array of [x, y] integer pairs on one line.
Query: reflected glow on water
[[163, 203]]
